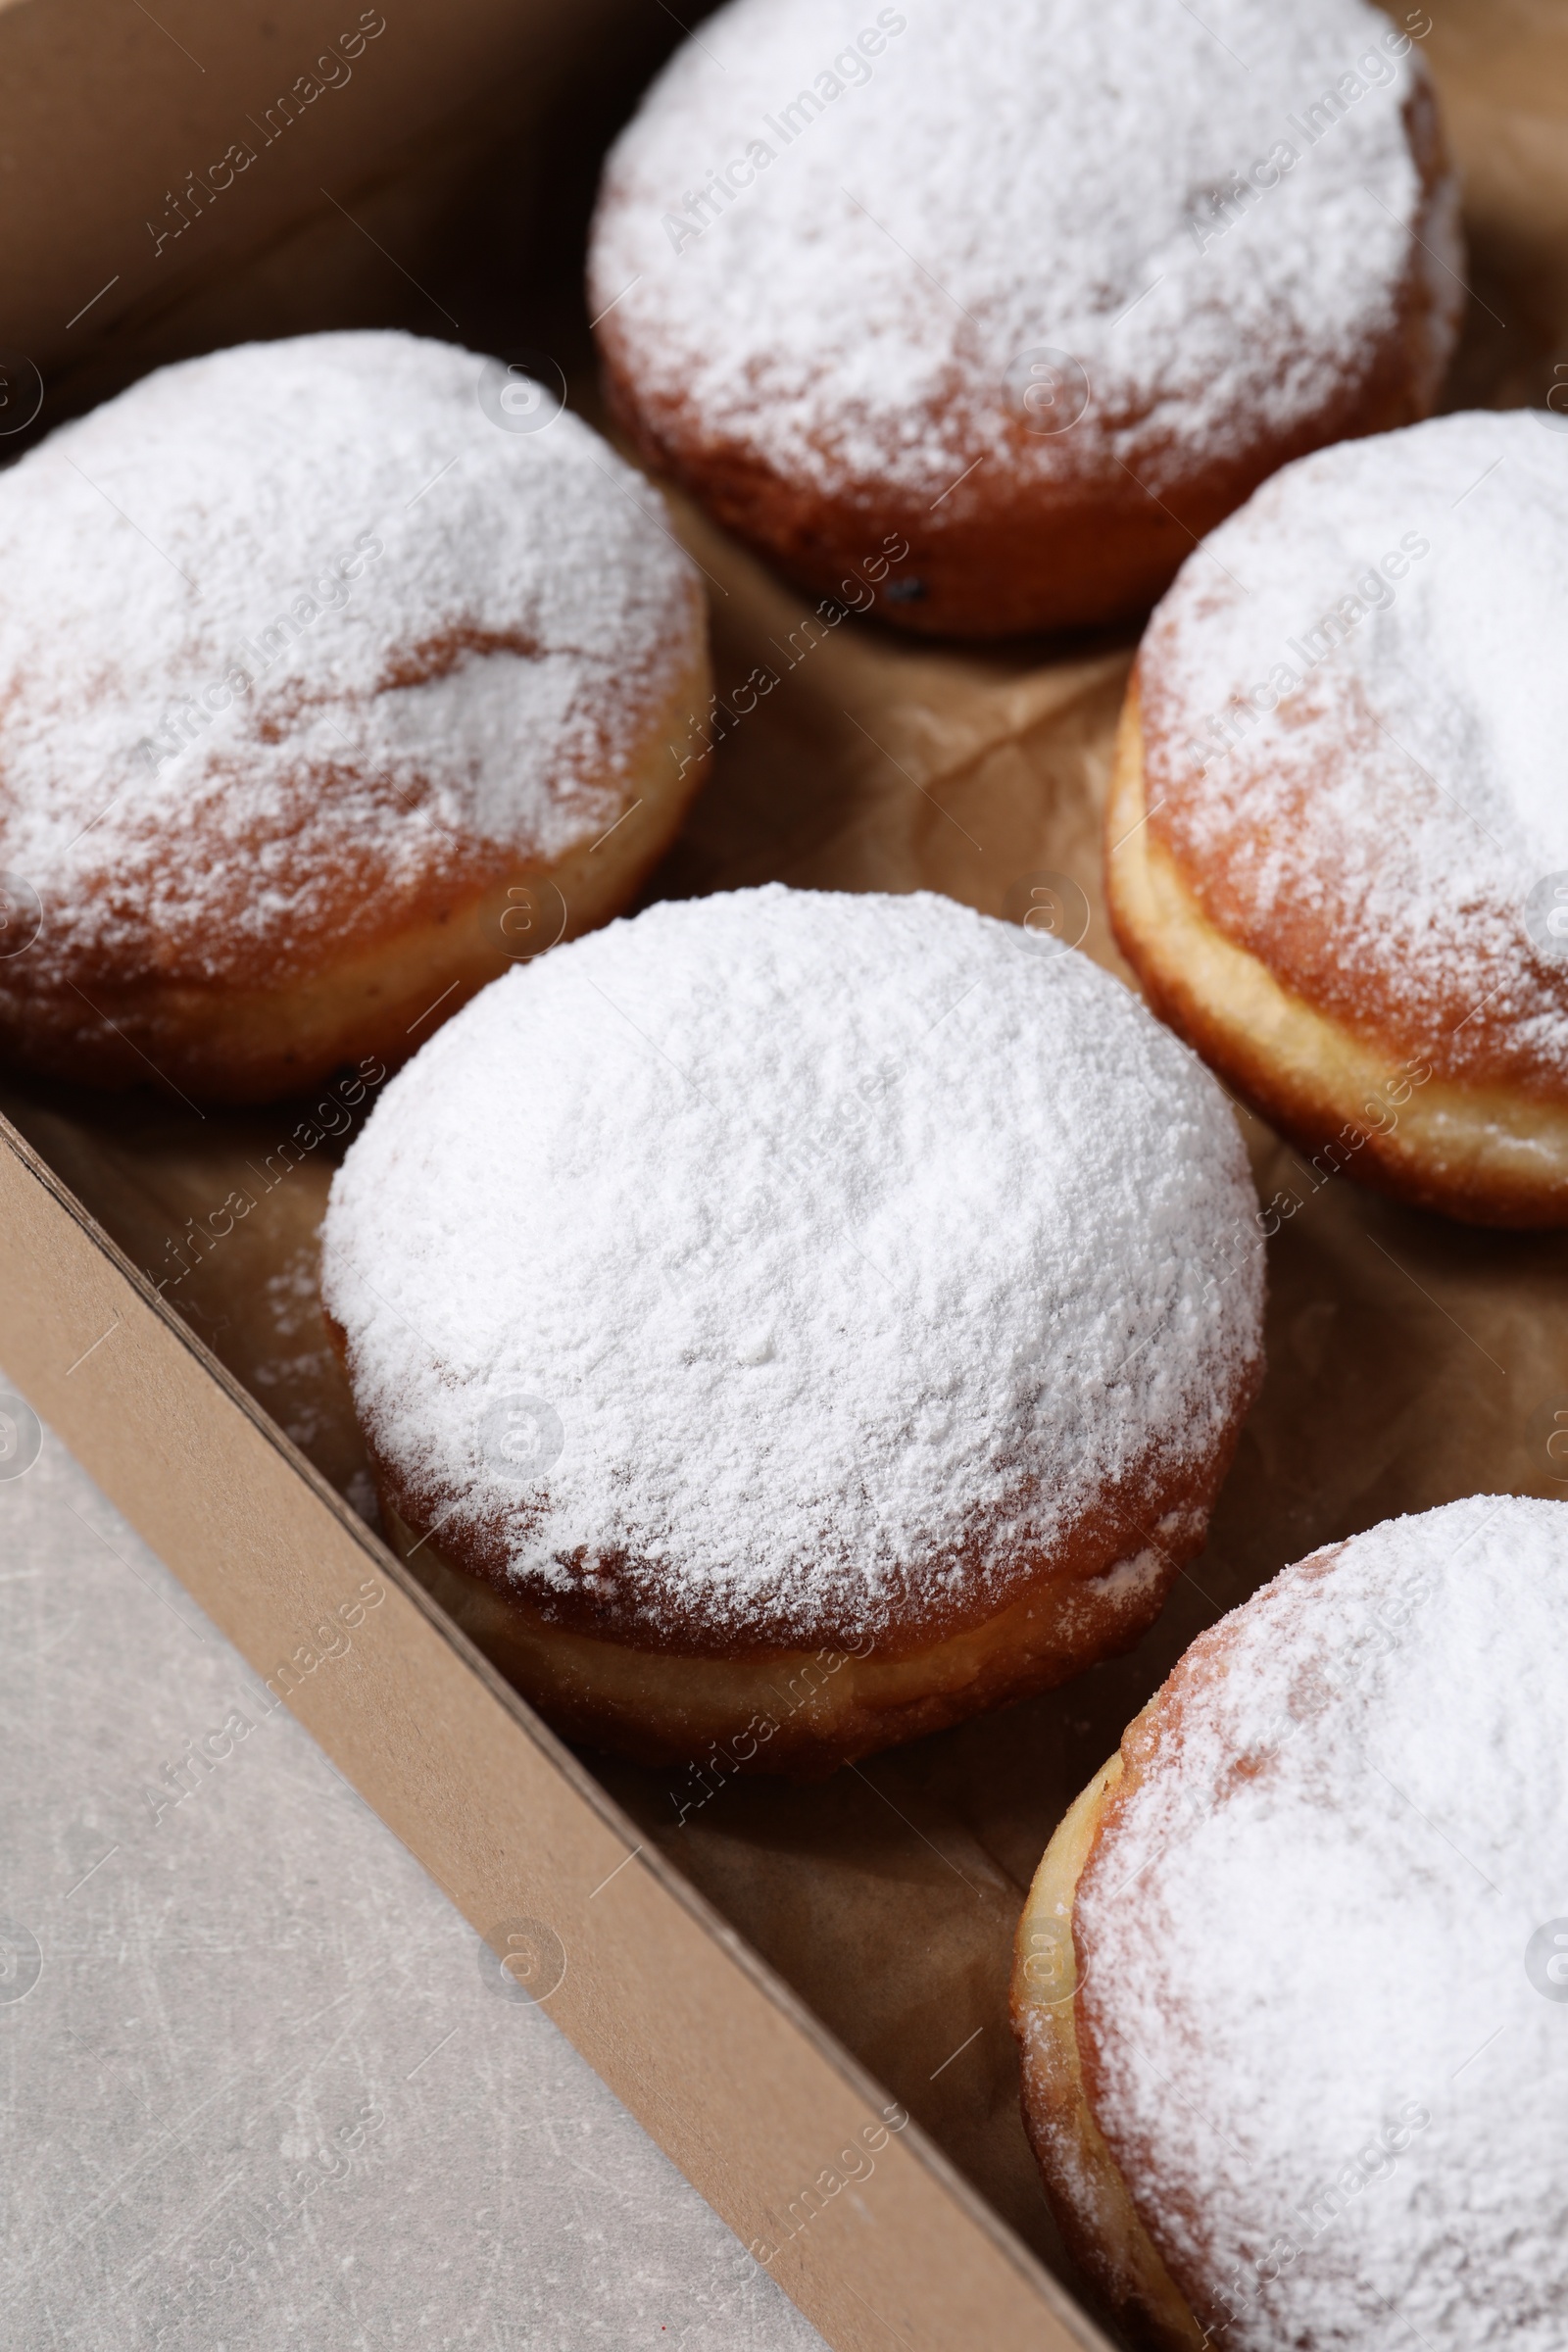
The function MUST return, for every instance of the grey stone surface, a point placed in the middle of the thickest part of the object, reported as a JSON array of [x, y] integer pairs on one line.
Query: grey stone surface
[[256, 2092]]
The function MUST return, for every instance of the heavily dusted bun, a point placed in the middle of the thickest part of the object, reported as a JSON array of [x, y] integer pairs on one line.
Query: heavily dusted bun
[[783, 1278], [1290, 1980], [1345, 733], [323, 692], [1043, 290]]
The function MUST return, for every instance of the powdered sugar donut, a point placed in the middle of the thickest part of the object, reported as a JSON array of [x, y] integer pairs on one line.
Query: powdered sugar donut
[[1345, 732], [323, 692], [1289, 1981], [797, 1320], [1043, 289]]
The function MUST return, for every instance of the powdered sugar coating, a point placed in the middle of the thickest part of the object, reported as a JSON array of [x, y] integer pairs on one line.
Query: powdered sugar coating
[[290, 632], [992, 181], [854, 1243], [1375, 835], [1322, 2059]]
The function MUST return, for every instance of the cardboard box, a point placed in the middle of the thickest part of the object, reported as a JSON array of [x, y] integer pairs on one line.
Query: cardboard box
[[798, 1991]]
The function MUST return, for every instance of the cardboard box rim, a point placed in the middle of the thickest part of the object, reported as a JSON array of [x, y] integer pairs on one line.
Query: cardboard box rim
[[508, 1821]]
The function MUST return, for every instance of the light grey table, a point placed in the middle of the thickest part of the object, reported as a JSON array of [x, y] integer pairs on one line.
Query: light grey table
[[257, 2091]]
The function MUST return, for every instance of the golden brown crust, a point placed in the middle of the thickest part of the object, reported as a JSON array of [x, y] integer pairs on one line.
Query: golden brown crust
[[261, 1029], [1161, 1508], [1483, 1148], [1091, 2200], [670, 1692], [667, 1690], [800, 1712], [1009, 552]]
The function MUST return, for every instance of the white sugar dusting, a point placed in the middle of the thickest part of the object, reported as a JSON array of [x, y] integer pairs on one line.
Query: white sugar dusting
[[1358, 710], [838, 1232], [833, 228], [287, 630], [1319, 1948]]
